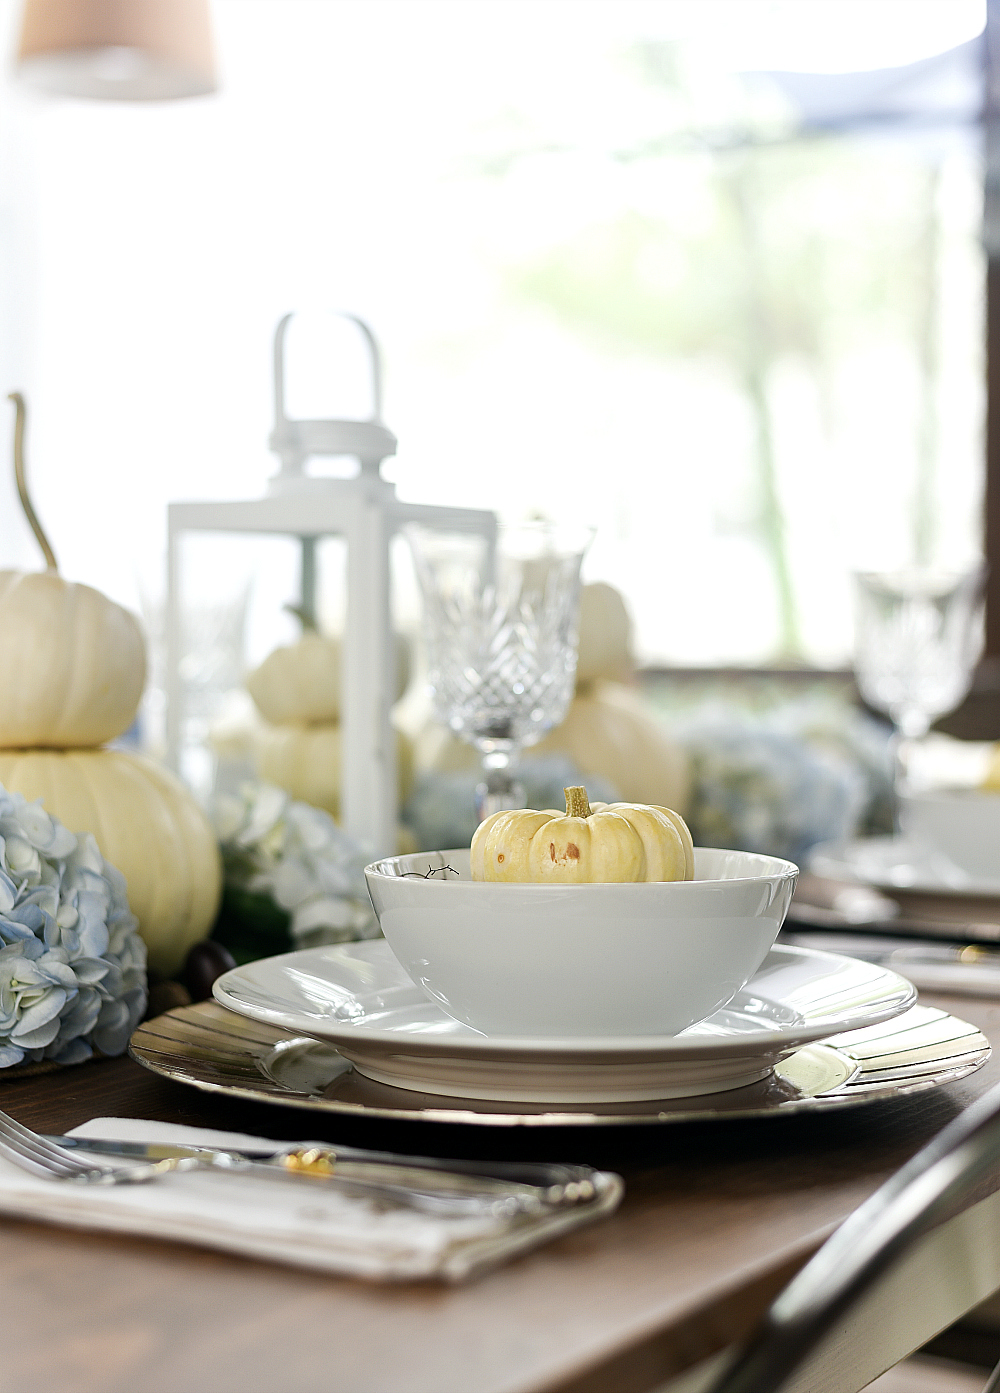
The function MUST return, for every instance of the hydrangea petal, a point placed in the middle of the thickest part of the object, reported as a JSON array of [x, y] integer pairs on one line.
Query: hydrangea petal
[[8, 890], [112, 1030], [110, 986], [22, 858], [91, 970], [87, 856], [264, 812], [58, 972], [75, 1052], [11, 930], [33, 1039], [82, 1015], [40, 1013], [44, 833]]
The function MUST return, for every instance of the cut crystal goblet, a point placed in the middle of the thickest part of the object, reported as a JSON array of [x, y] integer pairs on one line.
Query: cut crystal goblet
[[500, 626]]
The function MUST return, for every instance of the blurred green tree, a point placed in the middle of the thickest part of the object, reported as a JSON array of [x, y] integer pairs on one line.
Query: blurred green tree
[[801, 248]]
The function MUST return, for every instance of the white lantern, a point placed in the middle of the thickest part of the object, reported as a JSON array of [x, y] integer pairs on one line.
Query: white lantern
[[365, 512]]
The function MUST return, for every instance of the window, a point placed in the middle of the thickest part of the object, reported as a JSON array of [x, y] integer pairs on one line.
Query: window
[[609, 281]]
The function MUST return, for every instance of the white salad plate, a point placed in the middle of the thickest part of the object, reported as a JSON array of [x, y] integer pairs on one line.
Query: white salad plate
[[357, 997], [894, 863]]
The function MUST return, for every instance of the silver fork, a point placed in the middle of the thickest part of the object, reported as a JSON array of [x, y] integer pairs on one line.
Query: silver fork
[[33, 1153], [44, 1157]]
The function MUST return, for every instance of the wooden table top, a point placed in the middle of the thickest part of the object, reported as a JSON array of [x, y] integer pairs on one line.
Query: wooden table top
[[715, 1219]]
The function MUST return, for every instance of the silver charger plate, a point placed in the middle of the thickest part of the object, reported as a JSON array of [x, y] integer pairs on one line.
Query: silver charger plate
[[219, 1052]]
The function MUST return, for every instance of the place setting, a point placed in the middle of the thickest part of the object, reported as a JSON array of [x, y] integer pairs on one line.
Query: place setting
[[577, 966], [348, 1030]]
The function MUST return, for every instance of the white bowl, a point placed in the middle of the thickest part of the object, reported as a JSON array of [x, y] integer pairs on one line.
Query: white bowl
[[962, 825], [552, 961]]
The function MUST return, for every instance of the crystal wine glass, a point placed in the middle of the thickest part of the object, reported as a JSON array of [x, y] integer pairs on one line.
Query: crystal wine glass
[[918, 637], [500, 625]]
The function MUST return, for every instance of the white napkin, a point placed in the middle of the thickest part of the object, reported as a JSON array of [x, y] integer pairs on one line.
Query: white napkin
[[308, 1224]]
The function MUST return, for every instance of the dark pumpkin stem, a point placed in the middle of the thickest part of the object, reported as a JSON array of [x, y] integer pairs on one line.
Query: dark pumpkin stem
[[577, 802]]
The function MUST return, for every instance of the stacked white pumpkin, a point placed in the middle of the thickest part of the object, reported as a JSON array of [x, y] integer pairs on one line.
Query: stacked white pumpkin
[[76, 684], [72, 680], [296, 689]]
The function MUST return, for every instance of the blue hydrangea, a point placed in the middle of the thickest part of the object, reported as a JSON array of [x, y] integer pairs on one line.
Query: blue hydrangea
[[770, 784], [72, 964]]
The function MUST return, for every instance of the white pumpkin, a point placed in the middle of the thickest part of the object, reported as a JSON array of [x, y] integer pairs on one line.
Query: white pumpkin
[[300, 684], [75, 663], [605, 647], [306, 762], [145, 823], [609, 731]]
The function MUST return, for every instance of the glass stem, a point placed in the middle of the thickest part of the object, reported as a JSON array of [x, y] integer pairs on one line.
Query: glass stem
[[499, 788], [898, 752], [908, 727]]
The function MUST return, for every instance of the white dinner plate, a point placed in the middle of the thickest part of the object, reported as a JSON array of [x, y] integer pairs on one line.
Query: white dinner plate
[[357, 996], [893, 863]]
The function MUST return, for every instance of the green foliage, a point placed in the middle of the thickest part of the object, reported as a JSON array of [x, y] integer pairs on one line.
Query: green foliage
[[795, 251], [252, 926]]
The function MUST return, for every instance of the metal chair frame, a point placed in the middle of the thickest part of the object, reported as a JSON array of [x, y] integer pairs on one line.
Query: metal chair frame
[[935, 1185]]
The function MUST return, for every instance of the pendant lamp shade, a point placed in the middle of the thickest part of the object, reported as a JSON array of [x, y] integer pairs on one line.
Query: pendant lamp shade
[[118, 50]]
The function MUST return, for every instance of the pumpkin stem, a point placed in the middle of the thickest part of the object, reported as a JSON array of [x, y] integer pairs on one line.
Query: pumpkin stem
[[22, 483], [577, 802], [308, 621]]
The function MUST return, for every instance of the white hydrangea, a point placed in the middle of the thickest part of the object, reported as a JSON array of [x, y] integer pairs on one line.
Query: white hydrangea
[[297, 855], [72, 964]]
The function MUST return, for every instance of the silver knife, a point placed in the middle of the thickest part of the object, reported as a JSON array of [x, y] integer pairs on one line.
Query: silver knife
[[504, 1187]]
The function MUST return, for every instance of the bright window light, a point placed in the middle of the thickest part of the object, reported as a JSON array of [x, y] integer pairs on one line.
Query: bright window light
[[752, 362]]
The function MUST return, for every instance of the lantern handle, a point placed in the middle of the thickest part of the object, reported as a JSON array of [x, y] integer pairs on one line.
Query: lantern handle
[[279, 362], [296, 440]]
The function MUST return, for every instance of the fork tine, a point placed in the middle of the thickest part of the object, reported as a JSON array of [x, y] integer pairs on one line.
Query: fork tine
[[27, 1144], [17, 1150], [44, 1157], [27, 1162], [10, 1127]]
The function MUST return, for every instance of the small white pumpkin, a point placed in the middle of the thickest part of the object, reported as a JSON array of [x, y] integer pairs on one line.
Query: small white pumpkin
[[306, 762], [299, 684], [75, 662], [75, 665], [146, 823], [600, 843]]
